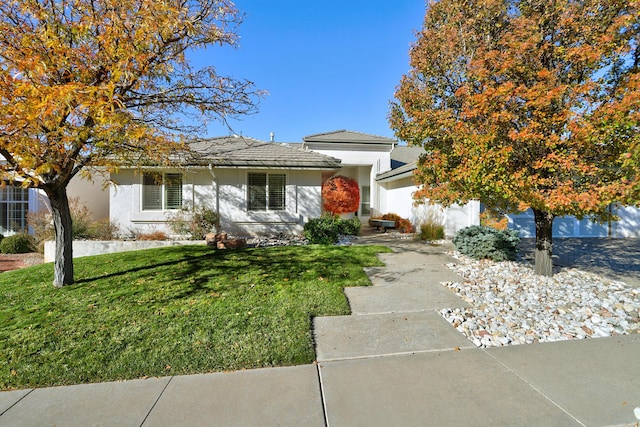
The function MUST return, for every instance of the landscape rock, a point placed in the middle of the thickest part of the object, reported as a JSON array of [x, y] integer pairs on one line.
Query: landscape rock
[[511, 305]]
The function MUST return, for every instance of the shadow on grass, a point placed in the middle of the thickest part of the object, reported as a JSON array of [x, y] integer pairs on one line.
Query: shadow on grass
[[199, 269]]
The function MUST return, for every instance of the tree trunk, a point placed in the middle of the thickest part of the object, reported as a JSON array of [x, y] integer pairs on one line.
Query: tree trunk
[[63, 265], [544, 232]]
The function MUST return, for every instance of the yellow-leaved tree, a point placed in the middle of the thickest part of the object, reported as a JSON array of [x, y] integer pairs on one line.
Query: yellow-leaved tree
[[104, 83], [526, 104]]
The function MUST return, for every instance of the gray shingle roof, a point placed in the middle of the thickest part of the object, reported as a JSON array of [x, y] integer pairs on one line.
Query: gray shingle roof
[[403, 161], [397, 172], [238, 151], [404, 154], [348, 136]]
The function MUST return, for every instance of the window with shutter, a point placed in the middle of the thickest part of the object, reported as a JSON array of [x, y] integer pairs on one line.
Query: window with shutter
[[266, 192], [173, 191], [257, 189], [161, 191], [277, 189]]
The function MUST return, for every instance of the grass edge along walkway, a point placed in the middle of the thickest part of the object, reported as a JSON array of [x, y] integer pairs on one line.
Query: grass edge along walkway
[[172, 311]]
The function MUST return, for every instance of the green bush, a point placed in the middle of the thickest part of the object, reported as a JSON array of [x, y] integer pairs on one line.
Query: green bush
[[326, 229], [18, 244], [349, 227], [486, 242], [323, 230]]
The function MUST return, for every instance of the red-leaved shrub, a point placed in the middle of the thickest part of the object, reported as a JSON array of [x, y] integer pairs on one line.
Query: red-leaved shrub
[[340, 194]]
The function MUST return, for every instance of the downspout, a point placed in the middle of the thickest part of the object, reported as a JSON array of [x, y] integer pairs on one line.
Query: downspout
[[214, 184]]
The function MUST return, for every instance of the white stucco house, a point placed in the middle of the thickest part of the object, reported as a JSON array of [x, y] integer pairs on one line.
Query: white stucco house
[[261, 187], [256, 187]]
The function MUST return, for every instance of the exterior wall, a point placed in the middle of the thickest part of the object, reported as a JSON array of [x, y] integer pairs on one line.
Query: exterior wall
[[303, 201], [629, 223], [224, 190], [92, 194], [399, 196], [627, 226], [363, 165]]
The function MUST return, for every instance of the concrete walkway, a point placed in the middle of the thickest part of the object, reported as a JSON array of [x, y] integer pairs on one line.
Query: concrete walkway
[[393, 362]]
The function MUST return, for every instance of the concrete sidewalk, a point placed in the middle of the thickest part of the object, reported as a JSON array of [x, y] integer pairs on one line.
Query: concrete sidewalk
[[395, 361]]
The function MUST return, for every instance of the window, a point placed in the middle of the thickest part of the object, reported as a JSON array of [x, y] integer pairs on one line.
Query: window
[[266, 192], [365, 200], [14, 205], [161, 191]]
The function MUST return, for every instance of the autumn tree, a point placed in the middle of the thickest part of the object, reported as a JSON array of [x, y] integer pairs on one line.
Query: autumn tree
[[340, 194], [97, 84], [526, 104]]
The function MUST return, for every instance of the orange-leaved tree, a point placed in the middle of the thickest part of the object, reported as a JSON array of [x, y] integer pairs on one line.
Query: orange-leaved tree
[[105, 83], [526, 104], [340, 194]]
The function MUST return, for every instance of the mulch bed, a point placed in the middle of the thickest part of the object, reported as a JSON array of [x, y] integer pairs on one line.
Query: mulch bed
[[10, 262]]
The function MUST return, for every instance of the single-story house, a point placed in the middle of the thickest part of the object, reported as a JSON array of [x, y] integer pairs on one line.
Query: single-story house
[[261, 187], [256, 187], [267, 187]]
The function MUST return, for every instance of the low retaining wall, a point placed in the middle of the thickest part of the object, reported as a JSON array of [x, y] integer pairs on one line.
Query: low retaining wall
[[97, 247]]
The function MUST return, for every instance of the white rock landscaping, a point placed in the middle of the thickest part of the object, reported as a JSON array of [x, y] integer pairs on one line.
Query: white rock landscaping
[[511, 305]]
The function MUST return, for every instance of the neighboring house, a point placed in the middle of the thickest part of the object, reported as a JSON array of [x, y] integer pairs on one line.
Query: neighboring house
[[16, 202]]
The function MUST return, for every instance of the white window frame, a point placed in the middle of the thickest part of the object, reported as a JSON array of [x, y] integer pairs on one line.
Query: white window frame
[[14, 209], [163, 189], [268, 194]]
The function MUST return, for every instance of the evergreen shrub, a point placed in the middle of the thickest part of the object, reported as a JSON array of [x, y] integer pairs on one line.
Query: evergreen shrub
[[21, 243], [486, 242], [349, 227], [326, 229]]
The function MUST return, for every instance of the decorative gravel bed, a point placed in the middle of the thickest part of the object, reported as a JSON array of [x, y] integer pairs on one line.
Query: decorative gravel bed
[[511, 305]]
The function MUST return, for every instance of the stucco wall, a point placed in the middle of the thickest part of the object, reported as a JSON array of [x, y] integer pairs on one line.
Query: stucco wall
[[92, 194], [364, 165], [399, 196], [225, 192], [83, 248], [380, 160]]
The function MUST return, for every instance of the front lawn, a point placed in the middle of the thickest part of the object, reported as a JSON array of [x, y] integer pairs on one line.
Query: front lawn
[[168, 311]]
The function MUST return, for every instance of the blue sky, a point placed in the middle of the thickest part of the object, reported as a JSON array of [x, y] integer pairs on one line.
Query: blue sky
[[327, 65]]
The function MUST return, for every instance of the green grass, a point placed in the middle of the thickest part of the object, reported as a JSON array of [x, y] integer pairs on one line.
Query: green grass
[[170, 311]]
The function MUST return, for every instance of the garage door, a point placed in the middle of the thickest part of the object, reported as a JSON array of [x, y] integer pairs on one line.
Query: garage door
[[627, 226]]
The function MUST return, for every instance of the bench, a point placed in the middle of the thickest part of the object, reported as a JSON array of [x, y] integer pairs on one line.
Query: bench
[[385, 224]]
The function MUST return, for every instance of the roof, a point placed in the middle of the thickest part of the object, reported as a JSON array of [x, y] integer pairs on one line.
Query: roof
[[404, 154], [349, 136], [403, 162], [397, 173], [238, 151]]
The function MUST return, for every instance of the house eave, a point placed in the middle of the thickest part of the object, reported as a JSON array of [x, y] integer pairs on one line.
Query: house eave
[[402, 172]]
